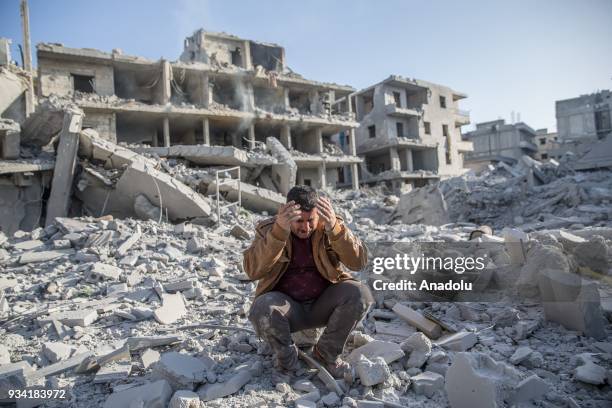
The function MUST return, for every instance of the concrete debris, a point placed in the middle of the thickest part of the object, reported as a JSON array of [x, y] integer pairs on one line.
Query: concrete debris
[[372, 372], [172, 309], [387, 350], [427, 383], [418, 347], [151, 394], [431, 329], [184, 399], [425, 205], [461, 341], [531, 388], [590, 373], [238, 380], [183, 372]]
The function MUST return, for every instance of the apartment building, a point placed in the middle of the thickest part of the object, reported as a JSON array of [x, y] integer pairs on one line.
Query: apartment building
[[409, 132], [497, 140], [223, 91], [585, 117]]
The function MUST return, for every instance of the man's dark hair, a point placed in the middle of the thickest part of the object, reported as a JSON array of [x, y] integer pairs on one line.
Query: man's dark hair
[[305, 196]]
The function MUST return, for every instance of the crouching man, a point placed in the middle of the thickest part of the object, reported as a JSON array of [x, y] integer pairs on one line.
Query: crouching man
[[296, 256]]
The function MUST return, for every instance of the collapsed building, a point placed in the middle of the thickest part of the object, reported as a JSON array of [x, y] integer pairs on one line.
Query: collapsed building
[[409, 132], [223, 91]]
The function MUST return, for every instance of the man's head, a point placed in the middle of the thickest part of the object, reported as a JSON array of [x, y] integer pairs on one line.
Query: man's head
[[306, 197]]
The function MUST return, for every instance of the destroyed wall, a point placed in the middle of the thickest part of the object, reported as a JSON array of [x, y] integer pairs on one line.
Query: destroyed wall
[[13, 85], [104, 123], [58, 76], [21, 200]]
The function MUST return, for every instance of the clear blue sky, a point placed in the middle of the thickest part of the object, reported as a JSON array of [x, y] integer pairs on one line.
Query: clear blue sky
[[513, 55]]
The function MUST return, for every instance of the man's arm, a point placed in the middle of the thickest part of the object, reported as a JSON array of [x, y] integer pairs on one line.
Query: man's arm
[[350, 249], [267, 248]]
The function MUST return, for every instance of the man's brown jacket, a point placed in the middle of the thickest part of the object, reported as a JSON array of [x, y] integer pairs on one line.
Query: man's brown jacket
[[270, 253]]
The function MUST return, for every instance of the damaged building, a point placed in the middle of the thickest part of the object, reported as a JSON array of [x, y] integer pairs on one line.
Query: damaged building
[[224, 92], [409, 132], [498, 141]]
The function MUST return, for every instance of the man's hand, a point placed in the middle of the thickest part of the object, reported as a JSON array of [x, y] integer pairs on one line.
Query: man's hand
[[288, 213], [326, 211]]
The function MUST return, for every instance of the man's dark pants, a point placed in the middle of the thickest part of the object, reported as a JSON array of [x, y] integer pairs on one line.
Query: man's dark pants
[[339, 308]]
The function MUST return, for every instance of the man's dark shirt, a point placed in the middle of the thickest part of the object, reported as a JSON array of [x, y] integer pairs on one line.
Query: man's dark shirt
[[302, 281]]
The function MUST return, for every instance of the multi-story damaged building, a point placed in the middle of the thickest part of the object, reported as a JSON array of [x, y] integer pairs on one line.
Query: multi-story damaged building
[[585, 117], [409, 132], [223, 91], [497, 141]]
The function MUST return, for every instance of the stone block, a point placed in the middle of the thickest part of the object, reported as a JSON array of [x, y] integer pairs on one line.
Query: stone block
[[184, 399], [387, 350], [460, 341], [427, 383], [150, 395], [233, 385], [182, 371], [372, 372], [414, 318], [172, 309]]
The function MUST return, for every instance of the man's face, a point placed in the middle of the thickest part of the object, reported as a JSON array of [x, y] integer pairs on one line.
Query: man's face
[[306, 224]]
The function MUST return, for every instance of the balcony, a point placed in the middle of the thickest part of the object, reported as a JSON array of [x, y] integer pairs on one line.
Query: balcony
[[462, 117], [523, 144], [394, 110]]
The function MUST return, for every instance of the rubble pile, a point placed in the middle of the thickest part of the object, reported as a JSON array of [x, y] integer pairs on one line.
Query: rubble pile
[[127, 310], [506, 196]]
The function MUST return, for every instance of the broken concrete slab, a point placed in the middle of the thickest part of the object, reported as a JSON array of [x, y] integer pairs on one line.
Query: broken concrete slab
[[590, 373], [65, 166], [427, 383], [419, 348], [71, 318], [372, 372], [44, 256], [531, 388], [389, 351], [414, 318], [238, 380], [57, 351], [520, 354], [149, 357], [152, 394], [115, 371], [182, 371], [139, 343], [46, 122], [475, 380], [172, 309], [100, 272], [129, 242], [252, 197], [572, 302], [460, 341], [184, 399], [425, 205]]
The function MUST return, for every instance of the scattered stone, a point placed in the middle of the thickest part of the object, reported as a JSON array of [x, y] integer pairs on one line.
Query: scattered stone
[[57, 351], [149, 357], [330, 400], [387, 350], [238, 231], [531, 388], [372, 372], [100, 272], [82, 318], [151, 394], [461, 341], [304, 386], [427, 383], [172, 309], [184, 399], [590, 373], [520, 354], [115, 371], [219, 390], [414, 318], [183, 372], [419, 347]]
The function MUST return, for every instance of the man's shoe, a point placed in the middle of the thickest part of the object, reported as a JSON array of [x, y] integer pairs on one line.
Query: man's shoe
[[338, 369]]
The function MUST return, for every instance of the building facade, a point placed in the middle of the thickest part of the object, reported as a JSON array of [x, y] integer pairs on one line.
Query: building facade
[[497, 140], [223, 91], [409, 132], [587, 117]]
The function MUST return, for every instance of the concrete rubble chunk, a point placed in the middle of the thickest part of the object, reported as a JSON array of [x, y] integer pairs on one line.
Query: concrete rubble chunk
[[151, 395], [304, 386], [184, 399], [100, 272], [330, 400], [520, 354], [172, 309], [44, 256], [238, 231], [419, 348], [461, 341], [475, 380], [139, 343], [238, 380], [414, 318], [590, 373], [57, 351], [182, 371], [372, 372], [572, 302], [531, 388], [304, 403], [389, 351], [129, 242], [114, 371], [427, 383], [412, 209], [82, 318]]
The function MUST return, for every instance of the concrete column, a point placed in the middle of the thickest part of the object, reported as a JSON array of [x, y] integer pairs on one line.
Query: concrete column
[[315, 106], [319, 140], [206, 131], [409, 162], [27, 57], [166, 132], [205, 90], [394, 159], [247, 56], [355, 176], [249, 98], [331, 97], [286, 136], [322, 175], [251, 136], [154, 142], [286, 98], [165, 82], [65, 165], [352, 141], [236, 140], [349, 103]]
